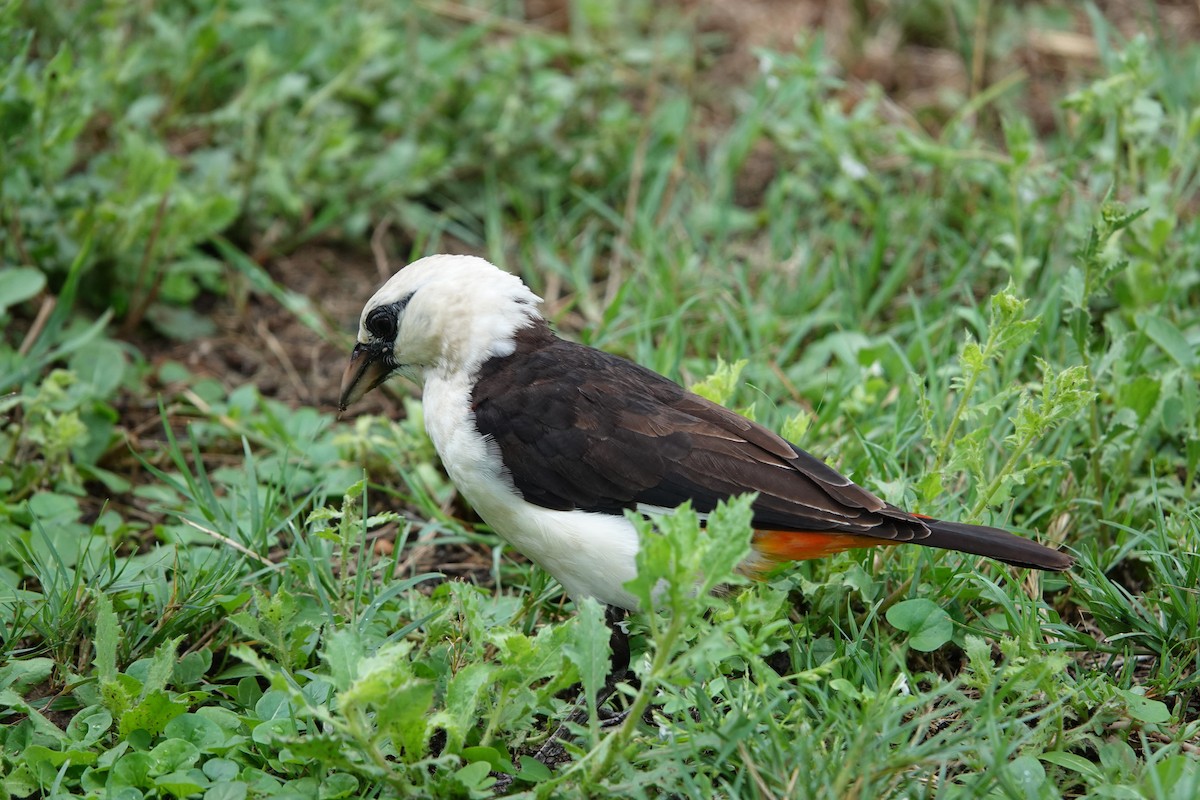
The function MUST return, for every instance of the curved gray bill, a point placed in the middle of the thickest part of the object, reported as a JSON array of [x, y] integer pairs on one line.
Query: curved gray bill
[[366, 370]]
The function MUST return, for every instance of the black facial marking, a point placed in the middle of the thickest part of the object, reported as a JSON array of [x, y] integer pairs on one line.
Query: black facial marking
[[382, 322]]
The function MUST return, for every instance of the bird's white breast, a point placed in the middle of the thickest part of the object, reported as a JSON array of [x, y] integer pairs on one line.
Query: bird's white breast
[[590, 554]]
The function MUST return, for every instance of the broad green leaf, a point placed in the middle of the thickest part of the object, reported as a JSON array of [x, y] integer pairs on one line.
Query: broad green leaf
[[181, 784], [498, 760], [43, 726], [21, 782], [39, 754], [100, 366], [21, 675], [172, 755], [338, 785], [89, 725], [18, 284], [221, 769], [379, 674], [228, 790], [180, 322], [132, 769], [1144, 709], [533, 771], [928, 626], [191, 668], [1178, 774], [476, 776], [1027, 773], [151, 714]]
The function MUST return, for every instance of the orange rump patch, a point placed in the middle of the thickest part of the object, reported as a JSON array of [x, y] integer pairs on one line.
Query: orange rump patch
[[778, 546]]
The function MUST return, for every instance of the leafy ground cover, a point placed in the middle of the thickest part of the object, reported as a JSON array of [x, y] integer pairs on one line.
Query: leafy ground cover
[[951, 247]]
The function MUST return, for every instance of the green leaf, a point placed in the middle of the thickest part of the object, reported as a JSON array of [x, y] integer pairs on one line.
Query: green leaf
[[247, 623], [727, 541], [181, 784], [39, 754], [1074, 287], [200, 731], [1027, 773], [722, 383], [100, 366], [1169, 338], [132, 769], [1143, 709], [11, 700], [106, 639], [161, 666], [230, 790], [338, 785], [533, 771], [796, 426], [180, 323], [405, 716], [343, 650], [1140, 394], [972, 355], [927, 624], [476, 776], [462, 700], [151, 714], [191, 668], [172, 755], [18, 284], [931, 485], [377, 674], [221, 769], [1176, 776], [498, 760], [319, 747], [89, 725], [588, 648], [23, 675], [21, 782], [1076, 763]]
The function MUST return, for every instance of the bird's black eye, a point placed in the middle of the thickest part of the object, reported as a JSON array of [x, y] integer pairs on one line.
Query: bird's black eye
[[381, 323]]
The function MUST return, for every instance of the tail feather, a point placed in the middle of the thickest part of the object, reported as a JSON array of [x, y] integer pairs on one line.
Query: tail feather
[[1001, 545]]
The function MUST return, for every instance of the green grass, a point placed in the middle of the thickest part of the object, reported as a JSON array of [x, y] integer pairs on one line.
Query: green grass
[[987, 320]]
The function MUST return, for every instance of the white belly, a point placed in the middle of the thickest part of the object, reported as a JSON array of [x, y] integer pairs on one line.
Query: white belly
[[590, 554]]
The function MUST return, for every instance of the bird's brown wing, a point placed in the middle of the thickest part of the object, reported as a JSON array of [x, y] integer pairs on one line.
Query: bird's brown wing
[[578, 428]]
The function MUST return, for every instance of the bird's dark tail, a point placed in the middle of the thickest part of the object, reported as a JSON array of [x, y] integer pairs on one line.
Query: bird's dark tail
[[1001, 545]]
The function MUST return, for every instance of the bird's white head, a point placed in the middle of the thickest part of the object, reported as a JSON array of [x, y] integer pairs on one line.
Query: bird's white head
[[440, 314]]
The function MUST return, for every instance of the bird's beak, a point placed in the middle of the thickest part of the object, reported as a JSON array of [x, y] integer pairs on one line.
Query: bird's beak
[[367, 369]]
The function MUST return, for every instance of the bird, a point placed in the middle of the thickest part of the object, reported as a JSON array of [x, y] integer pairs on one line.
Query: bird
[[553, 442]]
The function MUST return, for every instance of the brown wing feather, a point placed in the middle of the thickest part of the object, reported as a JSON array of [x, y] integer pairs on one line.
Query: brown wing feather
[[582, 429]]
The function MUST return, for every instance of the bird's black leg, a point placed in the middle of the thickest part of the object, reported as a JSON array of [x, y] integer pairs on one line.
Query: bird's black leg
[[618, 643], [552, 751]]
